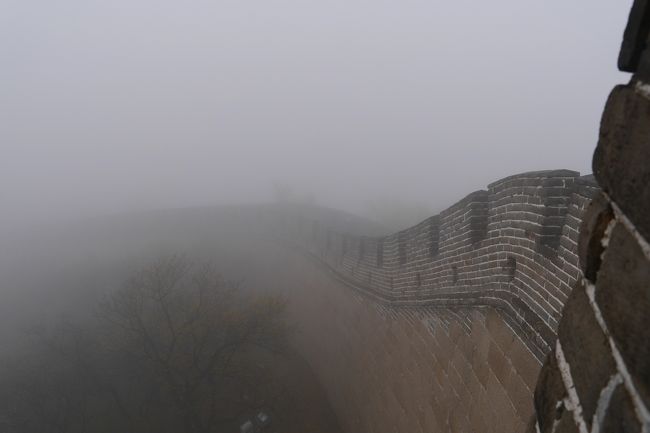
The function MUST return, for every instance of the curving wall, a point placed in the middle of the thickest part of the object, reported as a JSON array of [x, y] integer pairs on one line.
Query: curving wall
[[442, 326], [512, 246]]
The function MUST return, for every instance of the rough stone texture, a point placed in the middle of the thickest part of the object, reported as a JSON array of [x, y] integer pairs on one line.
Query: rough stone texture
[[621, 158], [634, 39], [620, 416], [623, 293], [548, 392], [566, 424], [585, 347], [594, 223]]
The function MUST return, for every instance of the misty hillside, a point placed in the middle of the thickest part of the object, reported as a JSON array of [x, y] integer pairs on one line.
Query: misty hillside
[[62, 274], [66, 268], [324, 216]]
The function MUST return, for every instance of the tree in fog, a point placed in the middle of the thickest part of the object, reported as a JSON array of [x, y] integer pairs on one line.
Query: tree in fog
[[189, 328], [173, 350]]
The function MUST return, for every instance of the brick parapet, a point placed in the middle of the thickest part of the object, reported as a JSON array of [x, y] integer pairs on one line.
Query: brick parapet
[[512, 246]]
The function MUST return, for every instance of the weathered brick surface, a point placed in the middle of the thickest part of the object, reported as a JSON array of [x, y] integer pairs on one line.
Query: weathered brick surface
[[411, 368]]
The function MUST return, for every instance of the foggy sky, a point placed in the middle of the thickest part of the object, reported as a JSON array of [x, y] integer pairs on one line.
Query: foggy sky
[[119, 105]]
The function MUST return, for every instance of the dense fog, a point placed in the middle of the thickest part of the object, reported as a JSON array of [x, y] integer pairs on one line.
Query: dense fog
[[114, 106], [133, 133]]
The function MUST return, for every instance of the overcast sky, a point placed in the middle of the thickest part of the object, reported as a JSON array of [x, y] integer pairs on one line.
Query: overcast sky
[[117, 105]]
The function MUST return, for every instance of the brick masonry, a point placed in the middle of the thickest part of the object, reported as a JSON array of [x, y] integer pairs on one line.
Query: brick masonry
[[441, 327], [512, 247], [412, 369]]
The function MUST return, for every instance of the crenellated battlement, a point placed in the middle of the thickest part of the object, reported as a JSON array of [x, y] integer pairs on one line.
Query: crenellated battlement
[[512, 246]]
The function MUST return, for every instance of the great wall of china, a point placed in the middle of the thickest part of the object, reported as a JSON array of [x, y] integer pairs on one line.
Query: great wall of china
[[523, 307], [445, 324], [512, 246]]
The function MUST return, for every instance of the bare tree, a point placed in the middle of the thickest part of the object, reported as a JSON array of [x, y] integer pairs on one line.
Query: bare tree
[[189, 327], [174, 350]]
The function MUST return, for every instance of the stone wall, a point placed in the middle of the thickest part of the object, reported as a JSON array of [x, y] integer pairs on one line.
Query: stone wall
[[408, 369], [443, 326], [512, 247], [597, 378]]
